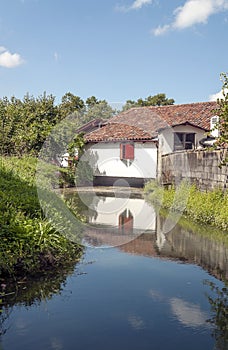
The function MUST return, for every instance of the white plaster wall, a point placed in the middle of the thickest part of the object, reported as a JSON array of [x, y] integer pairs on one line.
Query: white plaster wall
[[109, 208], [105, 159], [165, 141], [166, 137]]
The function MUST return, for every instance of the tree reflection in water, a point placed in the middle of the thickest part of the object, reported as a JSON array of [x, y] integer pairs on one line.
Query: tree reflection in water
[[219, 319], [30, 292]]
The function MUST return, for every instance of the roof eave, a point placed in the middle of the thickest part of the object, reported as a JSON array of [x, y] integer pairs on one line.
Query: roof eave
[[121, 140]]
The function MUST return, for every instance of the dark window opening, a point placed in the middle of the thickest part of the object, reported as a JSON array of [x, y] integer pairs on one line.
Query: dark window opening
[[184, 141]]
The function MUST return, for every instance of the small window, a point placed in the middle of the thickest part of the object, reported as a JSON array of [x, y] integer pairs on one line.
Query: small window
[[127, 151], [184, 141], [215, 126]]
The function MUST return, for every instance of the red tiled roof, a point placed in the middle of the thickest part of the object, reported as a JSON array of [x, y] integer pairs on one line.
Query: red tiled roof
[[118, 132], [143, 123], [91, 125]]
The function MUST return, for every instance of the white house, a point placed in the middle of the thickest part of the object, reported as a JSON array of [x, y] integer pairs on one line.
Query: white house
[[130, 214], [127, 149], [114, 221]]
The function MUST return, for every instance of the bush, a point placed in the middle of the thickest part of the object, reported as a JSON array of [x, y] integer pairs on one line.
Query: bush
[[28, 242], [204, 207]]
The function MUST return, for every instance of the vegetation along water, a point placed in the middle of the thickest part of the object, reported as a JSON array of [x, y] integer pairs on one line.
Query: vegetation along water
[[152, 290], [29, 244], [210, 208]]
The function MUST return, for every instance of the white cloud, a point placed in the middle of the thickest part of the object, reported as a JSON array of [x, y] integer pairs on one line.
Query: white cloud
[[193, 12], [187, 313], [136, 322], [56, 56], [161, 30], [2, 49], [8, 59], [136, 5], [156, 295], [217, 95]]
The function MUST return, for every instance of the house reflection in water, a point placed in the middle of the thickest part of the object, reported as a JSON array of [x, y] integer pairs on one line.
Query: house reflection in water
[[133, 227], [126, 222], [115, 221]]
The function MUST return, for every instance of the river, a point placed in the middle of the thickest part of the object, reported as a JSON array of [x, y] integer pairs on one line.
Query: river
[[136, 287]]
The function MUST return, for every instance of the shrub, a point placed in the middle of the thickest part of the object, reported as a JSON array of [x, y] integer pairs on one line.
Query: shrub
[[28, 242], [204, 207]]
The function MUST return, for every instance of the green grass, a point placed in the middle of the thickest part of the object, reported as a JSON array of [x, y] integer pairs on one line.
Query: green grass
[[29, 244], [210, 208]]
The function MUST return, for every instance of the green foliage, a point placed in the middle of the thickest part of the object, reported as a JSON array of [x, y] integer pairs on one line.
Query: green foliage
[[156, 100], [204, 207], [84, 174], [154, 192], [219, 320], [70, 104], [25, 124], [28, 242], [99, 109], [76, 145], [222, 113]]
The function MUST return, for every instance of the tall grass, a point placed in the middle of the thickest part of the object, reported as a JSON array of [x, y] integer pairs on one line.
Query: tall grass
[[209, 208], [28, 242]]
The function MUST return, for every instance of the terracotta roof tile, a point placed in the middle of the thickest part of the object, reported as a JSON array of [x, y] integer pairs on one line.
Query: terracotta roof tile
[[118, 132], [143, 123]]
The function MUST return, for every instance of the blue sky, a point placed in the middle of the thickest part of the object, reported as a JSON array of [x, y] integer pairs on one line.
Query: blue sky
[[113, 49]]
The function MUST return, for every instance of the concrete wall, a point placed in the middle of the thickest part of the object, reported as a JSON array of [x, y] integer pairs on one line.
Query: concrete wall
[[195, 247], [200, 167]]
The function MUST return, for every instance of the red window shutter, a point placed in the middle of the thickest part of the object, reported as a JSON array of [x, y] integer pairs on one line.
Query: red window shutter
[[129, 151], [126, 221], [121, 151]]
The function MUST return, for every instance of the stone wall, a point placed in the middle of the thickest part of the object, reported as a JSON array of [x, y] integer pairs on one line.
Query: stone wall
[[200, 167]]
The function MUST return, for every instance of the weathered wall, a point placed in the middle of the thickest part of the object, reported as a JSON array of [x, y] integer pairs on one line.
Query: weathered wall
[[166, 137], [192, 245], [200, 167], [105, 160]]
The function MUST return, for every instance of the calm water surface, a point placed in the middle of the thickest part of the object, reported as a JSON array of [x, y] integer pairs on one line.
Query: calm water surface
[[149, 293]]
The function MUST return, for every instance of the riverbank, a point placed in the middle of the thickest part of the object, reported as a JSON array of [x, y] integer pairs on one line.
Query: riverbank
[[210, 208], [110, 191], [29, 245]]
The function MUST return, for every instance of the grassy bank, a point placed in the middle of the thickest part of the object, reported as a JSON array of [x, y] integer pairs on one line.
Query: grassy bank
[[28, 242], [210, 208]]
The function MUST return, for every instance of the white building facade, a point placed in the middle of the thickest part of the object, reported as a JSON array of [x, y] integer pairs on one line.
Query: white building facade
[[110, 164], [128, 149]]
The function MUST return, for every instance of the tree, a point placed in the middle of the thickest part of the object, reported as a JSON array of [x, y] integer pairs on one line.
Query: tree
[[70, 104], [36, 118], [25, 124], [91, 101], [222, 113], [6, 126], [156, 100], [97, 109]]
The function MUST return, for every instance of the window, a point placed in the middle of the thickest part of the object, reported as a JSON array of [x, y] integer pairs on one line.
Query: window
[[215, 126], [183, 141], [127, 151]]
